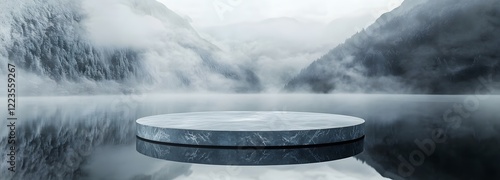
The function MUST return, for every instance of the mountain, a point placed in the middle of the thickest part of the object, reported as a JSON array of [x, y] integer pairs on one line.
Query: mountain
[[423, 46], [278, 48], [93, 46]]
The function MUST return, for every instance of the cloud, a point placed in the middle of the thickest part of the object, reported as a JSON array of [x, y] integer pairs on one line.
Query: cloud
[[114, 23], [204, 14], [277, 49]]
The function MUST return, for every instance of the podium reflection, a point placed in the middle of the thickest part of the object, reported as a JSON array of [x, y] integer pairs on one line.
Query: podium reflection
[[249, 156]]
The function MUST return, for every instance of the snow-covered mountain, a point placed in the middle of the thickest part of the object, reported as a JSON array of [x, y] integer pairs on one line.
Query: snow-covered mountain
[[96, 46], [423, 46]]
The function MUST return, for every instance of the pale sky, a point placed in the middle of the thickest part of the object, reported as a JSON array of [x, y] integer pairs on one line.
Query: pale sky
[[205, 13]]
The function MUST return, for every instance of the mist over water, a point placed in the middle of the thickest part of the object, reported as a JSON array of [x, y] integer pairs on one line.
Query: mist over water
[[93, 137]]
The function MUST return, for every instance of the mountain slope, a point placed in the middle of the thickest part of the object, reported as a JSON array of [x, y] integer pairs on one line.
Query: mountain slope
[[94, 46], [420, 47]]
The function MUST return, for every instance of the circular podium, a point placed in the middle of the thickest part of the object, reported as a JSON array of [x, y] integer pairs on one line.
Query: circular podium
[[250, 128], [250, 137]]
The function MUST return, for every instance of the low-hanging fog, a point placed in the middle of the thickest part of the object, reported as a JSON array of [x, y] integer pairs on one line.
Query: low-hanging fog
[[131, 46], [128, 46]]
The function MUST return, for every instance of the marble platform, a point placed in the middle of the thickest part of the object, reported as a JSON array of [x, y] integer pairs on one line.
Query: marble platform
[[250, 128], [249, 156]]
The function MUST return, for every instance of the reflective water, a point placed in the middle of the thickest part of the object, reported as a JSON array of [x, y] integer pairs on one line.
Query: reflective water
[[407, 136]]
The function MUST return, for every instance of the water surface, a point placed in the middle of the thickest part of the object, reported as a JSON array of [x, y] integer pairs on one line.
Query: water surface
[[407, 136]]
